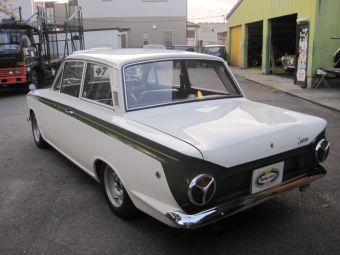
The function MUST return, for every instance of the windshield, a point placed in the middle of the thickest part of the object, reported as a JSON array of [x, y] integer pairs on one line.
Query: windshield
[[9, 40], [176, 81], [212, 50]]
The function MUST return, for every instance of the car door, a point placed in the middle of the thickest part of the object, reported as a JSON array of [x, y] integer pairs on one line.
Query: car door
[[59, 118], [94, 112], [74, 123]]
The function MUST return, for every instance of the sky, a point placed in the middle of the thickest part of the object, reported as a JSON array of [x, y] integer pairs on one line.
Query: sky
[[199, 10]]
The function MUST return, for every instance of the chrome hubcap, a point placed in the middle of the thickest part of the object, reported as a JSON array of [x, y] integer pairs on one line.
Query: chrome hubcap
[[113, 187], [36, 131]]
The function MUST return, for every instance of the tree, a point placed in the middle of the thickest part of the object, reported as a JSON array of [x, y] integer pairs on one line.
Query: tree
[[7, 8]]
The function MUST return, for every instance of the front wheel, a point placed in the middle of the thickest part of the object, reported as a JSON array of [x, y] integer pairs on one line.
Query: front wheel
[[38, 139], [116, 194]]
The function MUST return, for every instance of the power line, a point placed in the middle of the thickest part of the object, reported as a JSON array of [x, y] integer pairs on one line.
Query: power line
[[211, 17]]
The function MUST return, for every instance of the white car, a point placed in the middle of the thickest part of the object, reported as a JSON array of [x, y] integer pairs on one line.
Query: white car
[[179, 142]]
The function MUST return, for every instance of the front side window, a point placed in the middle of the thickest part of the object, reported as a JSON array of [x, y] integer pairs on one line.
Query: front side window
[[73, 72], [97, 86], [175, 81]]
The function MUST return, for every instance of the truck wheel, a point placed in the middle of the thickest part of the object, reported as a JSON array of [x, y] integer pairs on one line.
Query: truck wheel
[[35, 78], [116, 194], [38, 139]]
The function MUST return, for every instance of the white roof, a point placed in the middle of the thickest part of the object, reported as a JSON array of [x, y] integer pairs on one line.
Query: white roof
[[121, 57]]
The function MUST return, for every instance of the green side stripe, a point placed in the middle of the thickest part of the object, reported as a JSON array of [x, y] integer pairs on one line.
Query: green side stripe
[[110, 130], [134, 142], [179, 169]]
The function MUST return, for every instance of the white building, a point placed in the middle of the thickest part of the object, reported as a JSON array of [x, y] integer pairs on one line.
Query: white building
[[192, 35], [207, 33], [140, 21]]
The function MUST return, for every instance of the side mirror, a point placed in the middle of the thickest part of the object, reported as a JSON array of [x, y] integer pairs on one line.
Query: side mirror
[[32, 87]]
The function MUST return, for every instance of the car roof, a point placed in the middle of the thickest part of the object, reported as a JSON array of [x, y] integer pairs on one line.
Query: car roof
[[121, 57]]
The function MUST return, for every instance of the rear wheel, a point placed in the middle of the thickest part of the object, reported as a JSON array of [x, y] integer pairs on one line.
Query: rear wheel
[[38, 139], [116, 194]]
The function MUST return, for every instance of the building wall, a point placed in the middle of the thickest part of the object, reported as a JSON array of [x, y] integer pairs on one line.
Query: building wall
[[138, 25], [250, 11], [207, 33], [327, 27], [153, 17], [192, 41], [133, 8]]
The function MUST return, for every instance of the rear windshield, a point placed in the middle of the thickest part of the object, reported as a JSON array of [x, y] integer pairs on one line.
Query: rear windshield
[[175, 81]]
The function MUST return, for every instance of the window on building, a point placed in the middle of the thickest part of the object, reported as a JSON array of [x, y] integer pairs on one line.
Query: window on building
[[191, 33], [145, 38], [49, 8], [168, 39], [124, 40]]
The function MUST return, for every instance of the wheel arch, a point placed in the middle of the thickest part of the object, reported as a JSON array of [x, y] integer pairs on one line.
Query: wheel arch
[[99, 165]]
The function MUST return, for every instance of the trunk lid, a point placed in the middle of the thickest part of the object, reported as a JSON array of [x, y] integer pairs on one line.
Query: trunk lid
[[230, 132]]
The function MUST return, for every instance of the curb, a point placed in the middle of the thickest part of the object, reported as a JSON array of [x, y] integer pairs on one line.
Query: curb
[[291, 94]]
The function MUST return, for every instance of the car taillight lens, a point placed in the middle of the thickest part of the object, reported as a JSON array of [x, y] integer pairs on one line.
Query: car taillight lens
[[201, 189], [322, 150]]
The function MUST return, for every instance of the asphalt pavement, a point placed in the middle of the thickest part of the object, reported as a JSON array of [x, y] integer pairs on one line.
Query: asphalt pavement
[[49, 206]]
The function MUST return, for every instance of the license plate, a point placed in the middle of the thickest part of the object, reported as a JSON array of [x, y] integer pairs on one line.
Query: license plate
[[266, 177]]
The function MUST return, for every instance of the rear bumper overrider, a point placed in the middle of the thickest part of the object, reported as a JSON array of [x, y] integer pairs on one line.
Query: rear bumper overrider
[[192, 221]]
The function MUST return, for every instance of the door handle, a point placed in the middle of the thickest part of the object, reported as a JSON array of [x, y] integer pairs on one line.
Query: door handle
[[69, 112]]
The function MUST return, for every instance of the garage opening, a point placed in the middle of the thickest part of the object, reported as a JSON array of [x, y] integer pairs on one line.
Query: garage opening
[[254, 50], [282, 50]]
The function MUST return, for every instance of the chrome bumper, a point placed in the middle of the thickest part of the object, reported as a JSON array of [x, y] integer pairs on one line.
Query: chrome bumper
[[211, 215]]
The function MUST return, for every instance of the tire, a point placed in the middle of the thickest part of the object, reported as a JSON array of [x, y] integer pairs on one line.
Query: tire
[[38, 139], [116, 195]]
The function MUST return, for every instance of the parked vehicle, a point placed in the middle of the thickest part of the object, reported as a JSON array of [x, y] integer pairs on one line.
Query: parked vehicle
[[183, 48], [31, 51], [288, 62], [180, 143], [216, 50]]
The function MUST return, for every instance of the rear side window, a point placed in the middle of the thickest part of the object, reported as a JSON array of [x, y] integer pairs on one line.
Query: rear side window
[[72, 76], [97, 86]]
